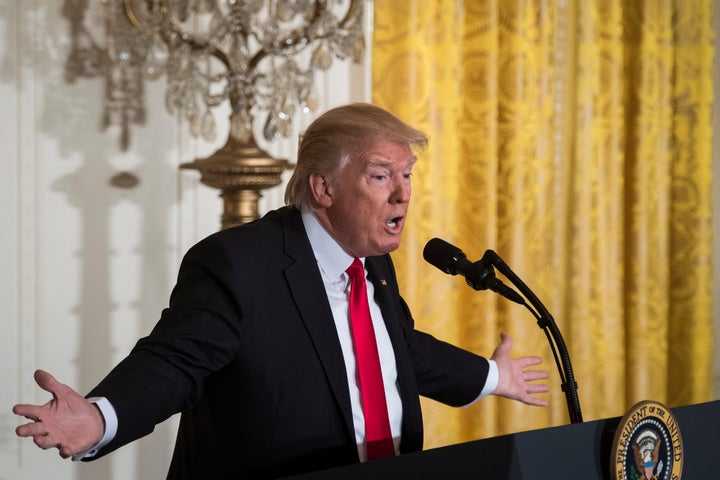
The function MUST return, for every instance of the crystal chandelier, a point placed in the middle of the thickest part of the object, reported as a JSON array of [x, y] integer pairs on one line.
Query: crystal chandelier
[[259, 55]]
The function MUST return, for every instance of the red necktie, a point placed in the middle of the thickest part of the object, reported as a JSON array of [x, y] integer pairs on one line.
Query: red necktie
[[378, 438]]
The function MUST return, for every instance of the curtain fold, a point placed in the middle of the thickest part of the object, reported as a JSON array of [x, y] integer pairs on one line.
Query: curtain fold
[[574, 139]]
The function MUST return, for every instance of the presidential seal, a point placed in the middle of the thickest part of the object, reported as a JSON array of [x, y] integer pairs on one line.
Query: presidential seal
[[647, 445]]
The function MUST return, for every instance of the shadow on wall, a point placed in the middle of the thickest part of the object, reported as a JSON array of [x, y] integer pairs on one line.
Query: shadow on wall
[[124, 203], [147, 193]]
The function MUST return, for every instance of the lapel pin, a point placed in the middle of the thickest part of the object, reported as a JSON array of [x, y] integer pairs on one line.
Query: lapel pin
[[383, 282]]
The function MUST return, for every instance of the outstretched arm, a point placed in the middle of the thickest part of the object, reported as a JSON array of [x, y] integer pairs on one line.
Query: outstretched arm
[[68, 422], [515, 380]]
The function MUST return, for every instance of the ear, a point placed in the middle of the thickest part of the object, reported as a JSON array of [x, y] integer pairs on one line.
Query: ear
[[321, 190]]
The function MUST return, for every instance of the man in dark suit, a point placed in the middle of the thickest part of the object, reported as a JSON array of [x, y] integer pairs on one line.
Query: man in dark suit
[[256, 348]]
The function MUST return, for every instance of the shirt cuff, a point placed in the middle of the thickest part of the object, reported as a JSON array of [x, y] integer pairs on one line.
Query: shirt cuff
[[111, 426], [490, 382]]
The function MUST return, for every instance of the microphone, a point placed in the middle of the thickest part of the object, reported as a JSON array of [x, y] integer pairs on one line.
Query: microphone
[[479, 275]]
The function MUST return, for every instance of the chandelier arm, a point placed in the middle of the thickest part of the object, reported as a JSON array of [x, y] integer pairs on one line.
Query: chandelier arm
[[354, 10], [297, 43], [292, 43], [194, 43]]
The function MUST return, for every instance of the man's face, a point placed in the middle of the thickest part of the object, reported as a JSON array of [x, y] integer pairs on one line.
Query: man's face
[[369, 200]]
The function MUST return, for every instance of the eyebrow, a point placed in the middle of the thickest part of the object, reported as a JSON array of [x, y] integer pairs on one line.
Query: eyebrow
[[370, 162]]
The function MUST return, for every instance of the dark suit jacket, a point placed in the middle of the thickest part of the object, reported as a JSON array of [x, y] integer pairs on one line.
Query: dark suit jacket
[[248, 352]]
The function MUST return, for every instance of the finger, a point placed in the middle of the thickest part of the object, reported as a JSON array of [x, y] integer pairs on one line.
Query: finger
[[532, 375], [529, 361], [533, 388], [31, 412], [45, 442], [537, 402], [31, 429], [65, 452]]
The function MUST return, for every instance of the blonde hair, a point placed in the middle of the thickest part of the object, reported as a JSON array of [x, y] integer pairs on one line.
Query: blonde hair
[[341, 134]]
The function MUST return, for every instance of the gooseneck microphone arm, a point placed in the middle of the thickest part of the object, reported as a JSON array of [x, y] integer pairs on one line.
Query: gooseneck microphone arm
[[547, 324], [480, 275]]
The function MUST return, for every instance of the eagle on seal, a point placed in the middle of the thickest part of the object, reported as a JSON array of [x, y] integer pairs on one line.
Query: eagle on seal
[[647, 452]]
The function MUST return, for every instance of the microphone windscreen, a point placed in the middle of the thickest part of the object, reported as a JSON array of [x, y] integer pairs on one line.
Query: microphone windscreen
[[442, 255]]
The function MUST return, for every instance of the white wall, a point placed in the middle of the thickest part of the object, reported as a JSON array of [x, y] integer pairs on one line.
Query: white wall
[[85, 266]]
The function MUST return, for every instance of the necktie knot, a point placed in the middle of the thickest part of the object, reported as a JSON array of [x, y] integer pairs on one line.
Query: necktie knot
[[356, 270]]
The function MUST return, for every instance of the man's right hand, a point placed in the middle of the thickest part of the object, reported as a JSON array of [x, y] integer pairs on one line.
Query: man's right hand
[[68, 422]]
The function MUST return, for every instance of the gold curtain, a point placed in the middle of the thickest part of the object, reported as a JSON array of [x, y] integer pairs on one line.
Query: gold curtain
[[574, 139]]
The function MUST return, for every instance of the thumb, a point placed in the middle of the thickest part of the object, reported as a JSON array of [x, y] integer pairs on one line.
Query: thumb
[[502, 351], [48, 383], [505, 342]]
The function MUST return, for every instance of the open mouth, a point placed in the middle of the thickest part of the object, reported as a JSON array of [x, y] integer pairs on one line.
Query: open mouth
[[394, 222]]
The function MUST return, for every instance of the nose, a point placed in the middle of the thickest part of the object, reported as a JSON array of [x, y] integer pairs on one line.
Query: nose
[[401, 191]]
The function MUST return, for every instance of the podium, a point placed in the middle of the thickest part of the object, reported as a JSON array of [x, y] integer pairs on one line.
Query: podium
[[580, 450]]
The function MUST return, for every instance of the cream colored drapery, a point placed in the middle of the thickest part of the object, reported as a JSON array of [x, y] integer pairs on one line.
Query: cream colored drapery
[[574, 139]]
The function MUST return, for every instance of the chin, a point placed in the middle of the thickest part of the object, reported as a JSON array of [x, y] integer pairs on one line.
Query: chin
[[391, 247], [387, 245]]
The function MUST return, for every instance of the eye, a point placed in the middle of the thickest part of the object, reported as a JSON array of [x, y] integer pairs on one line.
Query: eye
[[407, 176]]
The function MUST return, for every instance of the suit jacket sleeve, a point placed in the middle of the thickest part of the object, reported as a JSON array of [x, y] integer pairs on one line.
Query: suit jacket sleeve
[[196, 335]]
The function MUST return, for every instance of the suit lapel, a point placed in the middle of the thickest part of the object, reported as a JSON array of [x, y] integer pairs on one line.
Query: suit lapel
[[306, 286], [387, 296]]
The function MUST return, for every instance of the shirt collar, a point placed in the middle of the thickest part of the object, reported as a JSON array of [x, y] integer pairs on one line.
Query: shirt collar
[[331, 258]]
